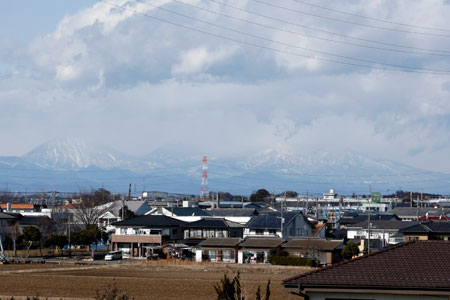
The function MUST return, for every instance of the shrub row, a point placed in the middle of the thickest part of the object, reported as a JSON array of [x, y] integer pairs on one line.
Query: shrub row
[[292, 261]]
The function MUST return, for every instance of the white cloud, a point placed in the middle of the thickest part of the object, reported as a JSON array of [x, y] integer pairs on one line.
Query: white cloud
[[201, 59], [108, 74]]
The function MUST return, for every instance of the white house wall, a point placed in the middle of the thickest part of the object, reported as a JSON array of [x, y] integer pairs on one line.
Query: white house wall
[[335, 296]]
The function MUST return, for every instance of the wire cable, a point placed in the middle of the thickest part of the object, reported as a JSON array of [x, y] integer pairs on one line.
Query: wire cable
[[350, 22], [392, 68], [325, 31], [370, 18], [307, 35], [289, 45]]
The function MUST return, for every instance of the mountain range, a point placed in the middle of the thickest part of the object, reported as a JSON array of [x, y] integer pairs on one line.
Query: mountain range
[[72, 165]]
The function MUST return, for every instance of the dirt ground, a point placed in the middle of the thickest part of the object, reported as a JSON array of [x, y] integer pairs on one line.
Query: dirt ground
[[139, 280]]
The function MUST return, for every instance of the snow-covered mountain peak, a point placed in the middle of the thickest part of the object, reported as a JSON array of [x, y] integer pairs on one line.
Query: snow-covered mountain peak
[[71, 153]]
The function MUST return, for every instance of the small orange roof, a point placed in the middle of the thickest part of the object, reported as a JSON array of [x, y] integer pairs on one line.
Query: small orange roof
[[17, 206]]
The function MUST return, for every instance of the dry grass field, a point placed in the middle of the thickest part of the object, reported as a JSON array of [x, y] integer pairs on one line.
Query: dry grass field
[[140, 280]]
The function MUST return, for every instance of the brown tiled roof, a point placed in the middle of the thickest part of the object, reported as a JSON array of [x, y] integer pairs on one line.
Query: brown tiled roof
[[220, 242], [265, 243], [422, 265], [17, 206], [320, 244]]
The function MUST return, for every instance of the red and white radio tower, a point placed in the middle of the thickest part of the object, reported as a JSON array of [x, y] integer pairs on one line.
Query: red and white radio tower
[[204, 193]]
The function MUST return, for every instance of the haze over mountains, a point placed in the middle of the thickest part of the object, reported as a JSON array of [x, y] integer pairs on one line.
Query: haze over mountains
[[72, 165]]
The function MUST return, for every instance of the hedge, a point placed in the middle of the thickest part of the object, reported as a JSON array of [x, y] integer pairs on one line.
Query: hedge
[[292, 261]]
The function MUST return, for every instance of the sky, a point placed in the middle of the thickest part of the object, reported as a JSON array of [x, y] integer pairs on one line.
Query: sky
[[229, 77]]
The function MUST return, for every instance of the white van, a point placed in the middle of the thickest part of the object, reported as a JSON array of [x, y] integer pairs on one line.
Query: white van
[[113, 255]]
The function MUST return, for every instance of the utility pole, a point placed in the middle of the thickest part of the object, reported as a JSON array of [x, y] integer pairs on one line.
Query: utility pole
[[368, 236], [317, 207], [282, 220], [68, 221], [417, 208]]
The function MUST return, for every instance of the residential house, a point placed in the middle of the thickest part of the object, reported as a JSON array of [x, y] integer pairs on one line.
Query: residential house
[[256, 250], [6, 221], [139, 235], [430, 230], [386, 231], [294, 224], [198, 231], [218, 249], [354, 218], [417, 270], [412, 213], [20, 208], [326, 252]]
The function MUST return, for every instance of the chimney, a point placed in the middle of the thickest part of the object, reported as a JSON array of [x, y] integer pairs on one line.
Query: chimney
[[8, 207]]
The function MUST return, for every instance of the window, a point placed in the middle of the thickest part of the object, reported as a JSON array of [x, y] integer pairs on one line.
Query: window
[[174, 231], [212, 254], [227, 255], [259, 231]]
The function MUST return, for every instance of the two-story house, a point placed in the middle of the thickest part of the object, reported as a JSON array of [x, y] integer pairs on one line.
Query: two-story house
[[200, 230], [137, 236], [282, 225]]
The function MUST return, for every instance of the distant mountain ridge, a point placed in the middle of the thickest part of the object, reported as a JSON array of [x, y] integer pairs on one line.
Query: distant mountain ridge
[[71, 165]]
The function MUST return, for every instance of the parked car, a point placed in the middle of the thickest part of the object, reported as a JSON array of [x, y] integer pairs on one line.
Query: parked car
[[113, 255]]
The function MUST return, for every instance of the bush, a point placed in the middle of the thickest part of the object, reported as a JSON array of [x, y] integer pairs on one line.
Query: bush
[[350, 250], [292, 261], [231, 289], [111, 292]]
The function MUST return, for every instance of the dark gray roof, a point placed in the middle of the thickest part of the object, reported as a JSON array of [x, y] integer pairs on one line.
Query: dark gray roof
[[429, 227], [188, 211], [155, 221], [258, 243], [382, 224], [5, 216], [233, 212], [220, 242], [320, 244], [35, 220], [214, 223], [354, 219], [411, 211], [272, 220]]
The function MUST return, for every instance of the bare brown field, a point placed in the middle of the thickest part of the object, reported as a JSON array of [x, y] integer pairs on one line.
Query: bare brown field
[[141, 280]]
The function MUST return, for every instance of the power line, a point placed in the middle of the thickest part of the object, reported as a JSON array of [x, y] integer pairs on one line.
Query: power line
[[325, 31], [286, 44], [412, 173], [370, 18], [350, 22], [307, 35], [82, 171], [391, 68]]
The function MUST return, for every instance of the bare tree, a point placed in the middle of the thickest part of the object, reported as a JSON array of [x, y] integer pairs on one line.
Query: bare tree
[[88, 212], [14, 231]]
